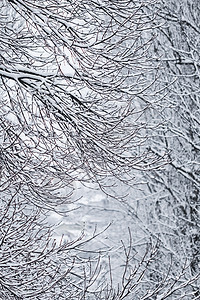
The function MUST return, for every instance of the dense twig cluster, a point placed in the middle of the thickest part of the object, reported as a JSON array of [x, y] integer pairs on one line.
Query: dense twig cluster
[[75, 86], [78, 83]]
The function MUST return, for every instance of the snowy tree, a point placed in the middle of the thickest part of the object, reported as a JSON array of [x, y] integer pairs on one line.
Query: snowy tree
[[34, 266], [81, 90], [74, 88], [75, 85], [182, 132], [171, 199]]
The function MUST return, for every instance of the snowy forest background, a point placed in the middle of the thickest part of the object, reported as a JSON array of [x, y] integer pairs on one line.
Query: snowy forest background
[[99, 149]]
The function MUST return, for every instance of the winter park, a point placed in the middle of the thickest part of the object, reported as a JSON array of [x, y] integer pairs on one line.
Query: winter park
[[99, 150]]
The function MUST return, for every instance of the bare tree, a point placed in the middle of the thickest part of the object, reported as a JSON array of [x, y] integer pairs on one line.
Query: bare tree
[[181, 137], [73, 78], [75, 85], [34, 266], [171, 200], [78, 79]]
